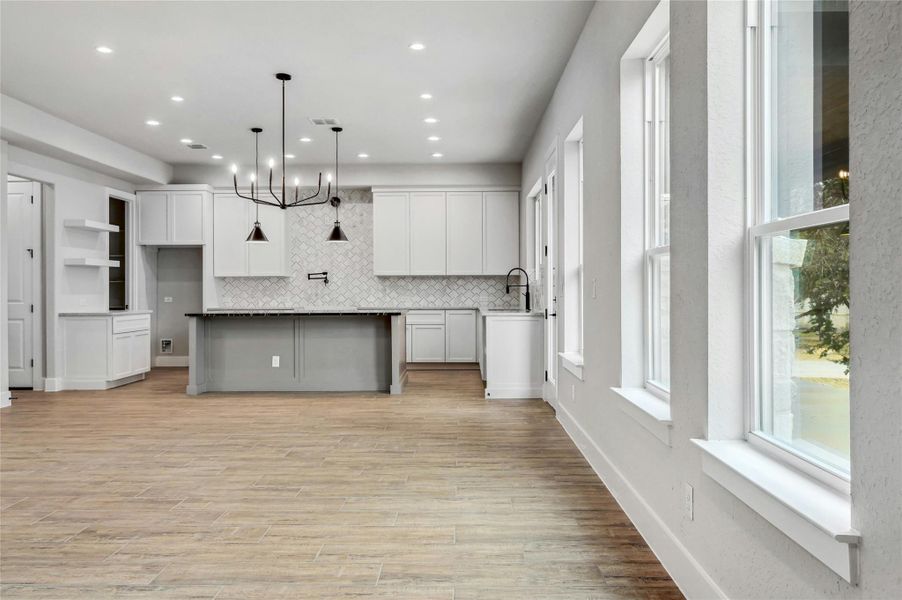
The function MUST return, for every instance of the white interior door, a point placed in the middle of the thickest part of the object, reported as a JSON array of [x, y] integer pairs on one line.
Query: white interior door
[[23, 251], [547, 270]]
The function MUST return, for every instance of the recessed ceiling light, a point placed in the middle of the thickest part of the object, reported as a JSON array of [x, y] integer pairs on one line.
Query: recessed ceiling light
[[152, 122], [417, 46], [186, 140], [430, 120], [433, 138], [426, 96], [437, 155], [177, 99], [216, 157], [306, 140], [104, 49], [289, 156], [363, 155]]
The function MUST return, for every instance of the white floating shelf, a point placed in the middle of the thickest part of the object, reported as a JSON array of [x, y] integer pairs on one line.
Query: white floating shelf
[[90, 225], [90, 262]]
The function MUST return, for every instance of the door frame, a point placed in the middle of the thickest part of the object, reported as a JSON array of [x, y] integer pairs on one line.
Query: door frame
[[37, 279], [551, 284]]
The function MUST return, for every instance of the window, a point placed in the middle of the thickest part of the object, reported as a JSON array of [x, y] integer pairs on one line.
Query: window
[[798, 238], [573, 249], [657, 220]]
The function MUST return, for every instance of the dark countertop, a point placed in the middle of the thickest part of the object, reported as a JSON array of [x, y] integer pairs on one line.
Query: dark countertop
[[351, 312]]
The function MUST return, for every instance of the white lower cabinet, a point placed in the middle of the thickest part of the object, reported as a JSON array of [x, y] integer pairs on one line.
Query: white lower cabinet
[[441, 336], [427, 343], [460, 336], [104, 350]]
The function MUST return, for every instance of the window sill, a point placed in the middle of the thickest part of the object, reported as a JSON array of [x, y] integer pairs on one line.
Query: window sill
[[648, 410], [573, 362], [815, 517]]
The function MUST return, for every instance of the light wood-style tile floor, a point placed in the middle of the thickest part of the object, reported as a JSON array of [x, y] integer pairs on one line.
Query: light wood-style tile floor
[[144, 492]]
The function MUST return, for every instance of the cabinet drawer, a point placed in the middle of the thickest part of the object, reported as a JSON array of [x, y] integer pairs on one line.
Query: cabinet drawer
[[127, 323], [426, 317]]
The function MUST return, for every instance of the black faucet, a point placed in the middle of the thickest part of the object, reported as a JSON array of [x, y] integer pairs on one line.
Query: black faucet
[[508, 285]]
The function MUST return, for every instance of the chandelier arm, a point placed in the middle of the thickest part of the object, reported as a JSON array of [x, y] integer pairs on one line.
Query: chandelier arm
[[239, 194], [266, 203], [319, 188], [270, 188]]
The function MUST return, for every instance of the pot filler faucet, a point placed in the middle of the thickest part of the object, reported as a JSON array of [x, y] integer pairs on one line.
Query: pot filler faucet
[[508, 285]]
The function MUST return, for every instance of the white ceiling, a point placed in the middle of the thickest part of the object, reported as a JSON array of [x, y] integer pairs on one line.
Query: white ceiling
[[491, 66]]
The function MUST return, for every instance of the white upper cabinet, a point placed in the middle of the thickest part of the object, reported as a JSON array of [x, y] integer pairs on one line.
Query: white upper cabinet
[[173, 216], [187, 217], [229, 232], [427, 233], [391, 234], [464, 225], [153, 217], [233, 256], [445, 232], [501, 232], [267, 259]]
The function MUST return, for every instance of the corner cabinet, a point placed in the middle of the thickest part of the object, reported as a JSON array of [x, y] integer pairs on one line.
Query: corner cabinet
[[233, 256], [119, 346], [445, 232], [173, 215]]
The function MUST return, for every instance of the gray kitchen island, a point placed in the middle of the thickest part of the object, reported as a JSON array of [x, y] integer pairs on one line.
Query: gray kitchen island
[[296, 351]]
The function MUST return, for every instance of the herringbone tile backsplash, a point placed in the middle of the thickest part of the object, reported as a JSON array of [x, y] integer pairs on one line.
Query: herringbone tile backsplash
[[350, 267]]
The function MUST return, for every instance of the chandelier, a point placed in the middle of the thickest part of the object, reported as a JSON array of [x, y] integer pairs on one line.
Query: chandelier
[[281, 201]]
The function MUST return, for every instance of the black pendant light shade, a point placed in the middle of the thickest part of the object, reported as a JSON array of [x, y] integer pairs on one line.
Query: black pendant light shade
[[256, 235], [337, 234]]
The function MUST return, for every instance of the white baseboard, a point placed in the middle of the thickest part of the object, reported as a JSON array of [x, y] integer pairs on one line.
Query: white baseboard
[[170, 361], [686, 572], [98, 384], [5, 399], [53, 384], [513, 393]]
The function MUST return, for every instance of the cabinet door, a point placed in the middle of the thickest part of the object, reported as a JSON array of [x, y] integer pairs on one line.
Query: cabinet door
[[502, 232], [268, 259], [464, 230], [187, 210], [230, 231], [460, 336], [428, 343], [122, 350], [153, 217], [391, 234], [427, 233], [140, 352]]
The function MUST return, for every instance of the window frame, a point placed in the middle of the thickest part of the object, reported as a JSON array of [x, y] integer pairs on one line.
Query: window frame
[[653, 249], [763, 223]]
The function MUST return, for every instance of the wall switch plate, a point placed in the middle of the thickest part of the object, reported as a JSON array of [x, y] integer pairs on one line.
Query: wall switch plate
[[572, 393], [688, 502], [167, 298], [594, 288], [275, 361], [166, 346]]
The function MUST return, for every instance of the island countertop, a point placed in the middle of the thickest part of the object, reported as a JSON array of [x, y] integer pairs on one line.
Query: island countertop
[[299, 312]]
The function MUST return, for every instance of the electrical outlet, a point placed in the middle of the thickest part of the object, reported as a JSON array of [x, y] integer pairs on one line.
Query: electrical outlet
[[275, 362], [167, 299], [688, 502]]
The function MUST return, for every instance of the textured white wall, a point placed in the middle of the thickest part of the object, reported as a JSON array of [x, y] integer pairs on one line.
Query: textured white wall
[[4, 339], [875, 70], [75, 192], [729, 549]]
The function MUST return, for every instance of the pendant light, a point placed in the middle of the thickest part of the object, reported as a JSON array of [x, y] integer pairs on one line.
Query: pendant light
[[336, 235], [256, 236]]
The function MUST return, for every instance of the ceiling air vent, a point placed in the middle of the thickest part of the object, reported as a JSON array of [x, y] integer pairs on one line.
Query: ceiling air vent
[[197, 146], [323, 121]]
